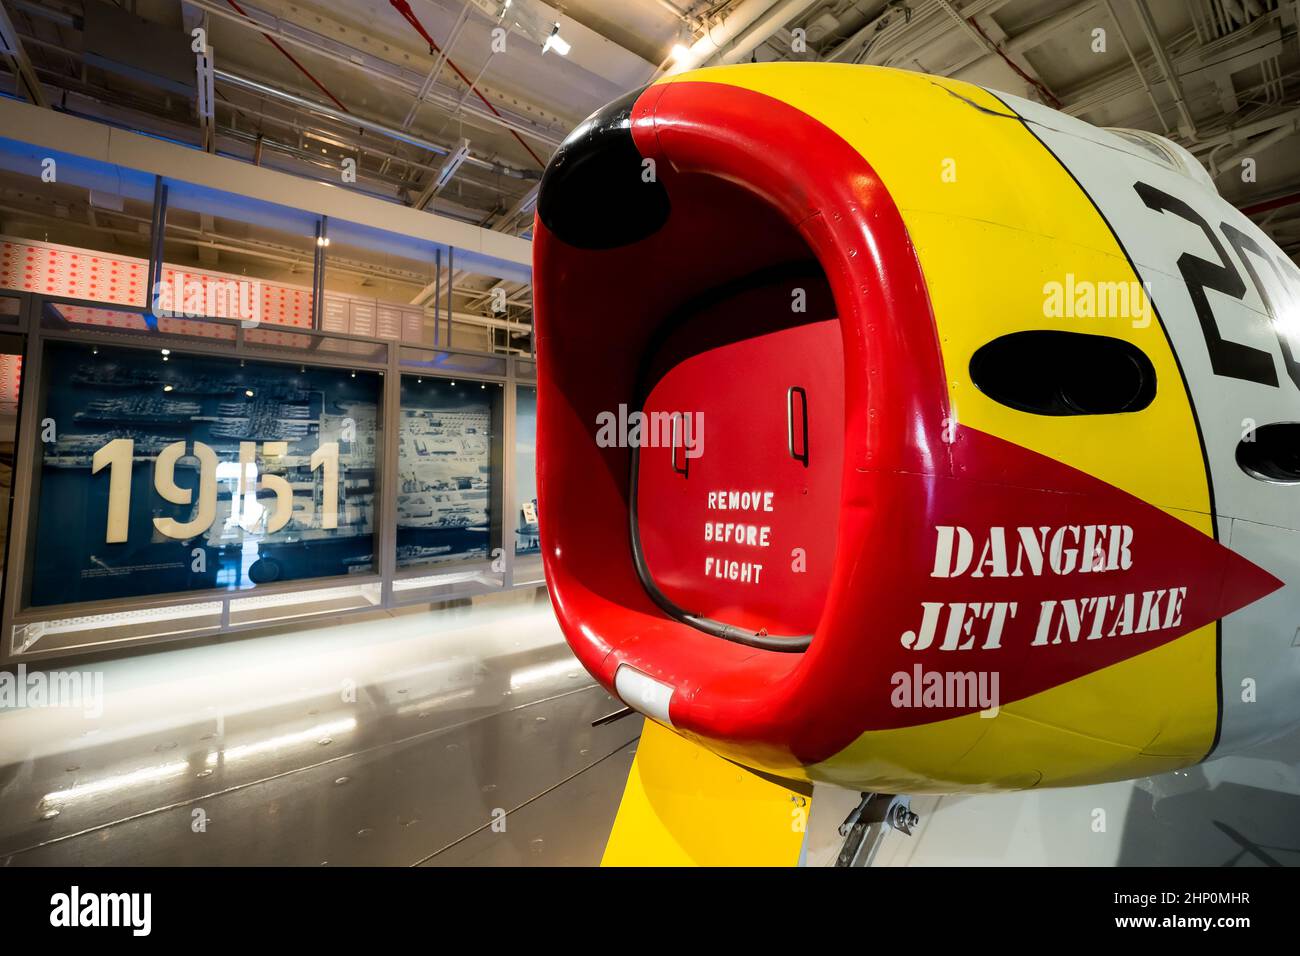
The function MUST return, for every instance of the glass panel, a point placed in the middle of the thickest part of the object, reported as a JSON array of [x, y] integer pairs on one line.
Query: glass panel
[[528, 552], [293, 604], [377, 284], [446, 585], [11, 377], [101, 630], [229, 256], [10, 309], [74, 227], [449, 464], [174, 472], [61, 315]]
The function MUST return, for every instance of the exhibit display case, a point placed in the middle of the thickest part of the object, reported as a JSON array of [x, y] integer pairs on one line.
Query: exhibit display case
[[449, 472], [192, 443], [161, 472], [528, 549]]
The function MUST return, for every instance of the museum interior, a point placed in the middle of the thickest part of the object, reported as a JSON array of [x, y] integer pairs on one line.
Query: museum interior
[[314, 551]]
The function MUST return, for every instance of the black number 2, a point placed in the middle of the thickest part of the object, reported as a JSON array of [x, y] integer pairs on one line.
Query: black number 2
[[1231, 359]]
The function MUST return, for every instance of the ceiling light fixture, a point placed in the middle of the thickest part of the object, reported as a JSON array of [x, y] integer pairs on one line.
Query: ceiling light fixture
[[556, 42]]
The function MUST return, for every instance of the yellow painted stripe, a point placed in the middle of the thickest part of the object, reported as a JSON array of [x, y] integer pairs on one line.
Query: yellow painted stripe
[[685, 806]]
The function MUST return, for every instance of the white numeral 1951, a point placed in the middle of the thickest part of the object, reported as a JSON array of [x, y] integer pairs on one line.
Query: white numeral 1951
[[119, 456]]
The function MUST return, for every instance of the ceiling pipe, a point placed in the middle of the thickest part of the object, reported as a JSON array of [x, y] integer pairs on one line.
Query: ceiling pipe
[[1137, 67], [1103, 89], [924, 22], [672, 8], [738, 20], [1268, 205], [348, 119], [358, 59], [1041, 31], [11, 48], [293, 59], [1267, 141], [976, 33], [132, 117], [352, 119], [403, 7], [764, 28], [868, 35], [1035, 35], [1240, 134], [1171, 75]]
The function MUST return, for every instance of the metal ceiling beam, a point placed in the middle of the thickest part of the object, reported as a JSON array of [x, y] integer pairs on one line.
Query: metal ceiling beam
[[352, 119], [968, 25], [378, 68], [734, 22], [1038, 33], [1187, 56], [432, 77], [1032, 36], [525, 206], [760, 32], [1137, 67], [899, 42], [481, 250], [444, 175], [1254, 147], [11, 47]]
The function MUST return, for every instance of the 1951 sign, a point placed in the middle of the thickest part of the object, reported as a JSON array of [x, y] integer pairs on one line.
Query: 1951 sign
[[118, 456]]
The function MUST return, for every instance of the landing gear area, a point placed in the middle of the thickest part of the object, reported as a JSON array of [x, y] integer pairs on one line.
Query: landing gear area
[[865, 828]]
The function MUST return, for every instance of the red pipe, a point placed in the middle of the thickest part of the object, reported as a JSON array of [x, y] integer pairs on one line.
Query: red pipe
[[291, 58], [1268, 205], [1011, 63]]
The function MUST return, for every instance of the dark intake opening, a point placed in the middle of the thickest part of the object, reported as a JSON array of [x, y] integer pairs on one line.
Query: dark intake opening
[[1064, 373]]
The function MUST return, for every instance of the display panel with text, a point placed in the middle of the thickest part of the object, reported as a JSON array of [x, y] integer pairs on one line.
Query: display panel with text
[[163, 473], [448, 471]]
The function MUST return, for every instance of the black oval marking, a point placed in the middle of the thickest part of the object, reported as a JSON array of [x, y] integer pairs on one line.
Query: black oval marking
[[593, 194], [1064, 373]]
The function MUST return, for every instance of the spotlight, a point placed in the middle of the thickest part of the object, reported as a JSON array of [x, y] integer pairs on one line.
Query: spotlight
[[556, 42]]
